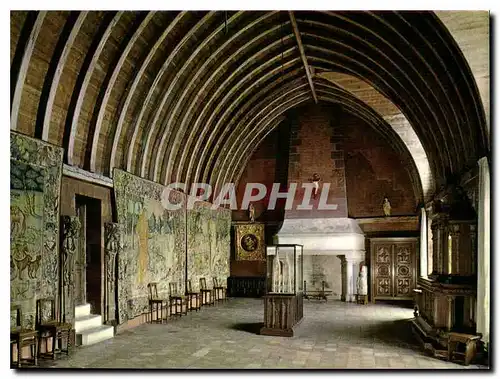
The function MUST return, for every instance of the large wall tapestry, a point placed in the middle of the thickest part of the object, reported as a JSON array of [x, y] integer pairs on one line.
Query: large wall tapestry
[[208, 243], [153, 242], [35, 182]]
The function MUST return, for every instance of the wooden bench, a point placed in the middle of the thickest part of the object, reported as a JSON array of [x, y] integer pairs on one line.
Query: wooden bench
[[316, 294], [470, 342]]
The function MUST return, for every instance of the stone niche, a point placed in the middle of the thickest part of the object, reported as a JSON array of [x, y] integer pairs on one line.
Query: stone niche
[[333, 251]]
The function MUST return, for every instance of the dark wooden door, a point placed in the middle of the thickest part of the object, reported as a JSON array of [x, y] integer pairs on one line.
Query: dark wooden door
[[382, 278], [393, 272]]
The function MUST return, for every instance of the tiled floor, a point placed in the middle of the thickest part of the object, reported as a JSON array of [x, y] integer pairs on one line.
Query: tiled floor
[[332, 335]]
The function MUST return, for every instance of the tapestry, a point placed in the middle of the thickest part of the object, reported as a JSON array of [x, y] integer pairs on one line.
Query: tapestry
[[153, 241], [35, 182], [208, 244]]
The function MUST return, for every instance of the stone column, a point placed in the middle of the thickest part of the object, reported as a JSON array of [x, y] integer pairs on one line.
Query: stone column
[[112, 248], [423, 243], [350, 275], [483, 257], [343, 263], [70, 232]]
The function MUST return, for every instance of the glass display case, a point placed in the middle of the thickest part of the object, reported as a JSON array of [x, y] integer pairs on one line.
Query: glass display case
[[284, 269]]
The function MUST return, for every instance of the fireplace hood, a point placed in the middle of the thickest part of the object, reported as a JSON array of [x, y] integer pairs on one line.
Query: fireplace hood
[[323, 236]]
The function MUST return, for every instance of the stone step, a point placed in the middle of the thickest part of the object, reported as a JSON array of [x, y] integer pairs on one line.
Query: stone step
[[85, 322], [82, 310], [94, 335]]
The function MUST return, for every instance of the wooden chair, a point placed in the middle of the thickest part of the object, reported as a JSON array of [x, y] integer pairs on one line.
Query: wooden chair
[[207, 294], [191, 295], [176, 300], [155, 304], [21, 338], [220, 291], [49, 327], [467, 353]]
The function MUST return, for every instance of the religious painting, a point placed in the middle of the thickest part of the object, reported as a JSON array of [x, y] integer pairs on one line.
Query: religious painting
[[250, 242]]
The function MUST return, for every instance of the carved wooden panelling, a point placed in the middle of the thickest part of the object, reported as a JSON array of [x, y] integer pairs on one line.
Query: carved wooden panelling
[[393, 267]]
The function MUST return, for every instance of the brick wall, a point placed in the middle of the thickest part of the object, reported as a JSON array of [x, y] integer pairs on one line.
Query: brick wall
[[316, 147], [374, 170]]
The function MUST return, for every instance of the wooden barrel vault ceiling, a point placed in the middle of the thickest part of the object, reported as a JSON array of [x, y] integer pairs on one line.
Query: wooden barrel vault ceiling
[[187, 96]]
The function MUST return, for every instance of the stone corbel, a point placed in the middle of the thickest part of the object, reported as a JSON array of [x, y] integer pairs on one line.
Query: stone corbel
[[112, 249]]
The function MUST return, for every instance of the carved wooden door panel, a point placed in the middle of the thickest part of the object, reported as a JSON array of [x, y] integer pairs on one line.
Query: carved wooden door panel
[[80, 259], [404, 275], [382, 264], [393, 268]]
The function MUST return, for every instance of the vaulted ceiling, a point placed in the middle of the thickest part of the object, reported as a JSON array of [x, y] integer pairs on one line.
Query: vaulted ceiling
[[187, 96]]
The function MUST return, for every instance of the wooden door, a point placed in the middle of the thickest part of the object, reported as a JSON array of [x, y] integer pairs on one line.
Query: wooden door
[[404, 265], [393, 273], [382, 277]]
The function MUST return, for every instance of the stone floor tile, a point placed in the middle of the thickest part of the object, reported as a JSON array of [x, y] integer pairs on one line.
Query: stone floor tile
[[332, 335]]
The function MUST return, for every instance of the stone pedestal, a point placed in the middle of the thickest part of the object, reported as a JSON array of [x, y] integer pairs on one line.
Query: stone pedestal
[[350, 269], [282, 313]]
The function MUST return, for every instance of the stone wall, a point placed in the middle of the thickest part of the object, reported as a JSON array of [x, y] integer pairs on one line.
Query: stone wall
[[374, 170], [316, 147], [35, 182], [323, 267]]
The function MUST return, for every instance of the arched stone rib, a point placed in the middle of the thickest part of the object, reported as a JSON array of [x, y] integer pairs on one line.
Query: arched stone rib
[[428, 146], [167, 65], [61, 64], [382, 73], [392, 115], [378, 50], [222, 104], [431, 70], [134, 86], [243, 164], [109, 89], [225, 160], [276, 72], [283, 107], [23, 70], [83, 90], [188, 115], [372, 120], [468, 58], [166, 129], [179, 132]]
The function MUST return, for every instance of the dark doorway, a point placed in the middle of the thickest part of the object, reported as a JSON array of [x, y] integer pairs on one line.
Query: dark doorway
[[88, 260]]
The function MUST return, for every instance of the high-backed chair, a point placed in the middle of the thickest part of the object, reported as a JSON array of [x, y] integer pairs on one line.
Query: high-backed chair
[[193, 296], [207, 294], [176, 301], [219, 289], [49, 327], [20, 338], [156, 304]]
